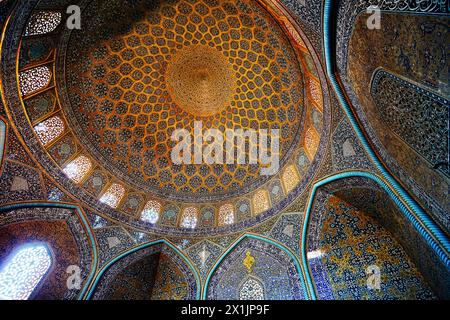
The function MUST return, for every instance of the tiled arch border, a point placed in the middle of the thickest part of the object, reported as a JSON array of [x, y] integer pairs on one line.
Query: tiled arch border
[[81, 217], [306, 291], [434, 235], [395, 197], [90, 292]]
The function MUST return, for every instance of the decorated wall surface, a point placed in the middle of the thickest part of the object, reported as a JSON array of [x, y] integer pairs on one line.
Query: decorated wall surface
[[349, 247], [170, 282], [154, 272], [402, 89], [91, 206], [271, 272]]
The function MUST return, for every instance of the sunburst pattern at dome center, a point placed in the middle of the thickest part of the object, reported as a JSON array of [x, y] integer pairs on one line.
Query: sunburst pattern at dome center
[[200, 80]]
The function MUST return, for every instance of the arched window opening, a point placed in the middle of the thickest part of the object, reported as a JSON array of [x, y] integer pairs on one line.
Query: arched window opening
[[43, 22], [315, 91], [50, 129], [251, 289], [113, 195], [189, 218], [23, 271], [260, 201], [151, 212], [35, 79], [78, 168], [290, 178], [226, 214]]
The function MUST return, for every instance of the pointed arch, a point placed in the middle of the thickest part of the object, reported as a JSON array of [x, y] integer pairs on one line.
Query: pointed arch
[[151, 212], [78, 168], [84, 225], [34, 80], [441, 248], [252, 288], [50, 129], [261, 201], [195, 291], [290, 254], [43, 22], [113, 195], [226, 215], [290, 178]]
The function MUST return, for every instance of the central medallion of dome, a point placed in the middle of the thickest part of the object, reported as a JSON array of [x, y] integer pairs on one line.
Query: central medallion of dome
[[200, 80]]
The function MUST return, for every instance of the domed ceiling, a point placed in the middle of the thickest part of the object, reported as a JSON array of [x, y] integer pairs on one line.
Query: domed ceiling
[[131, 86], [136, 72]]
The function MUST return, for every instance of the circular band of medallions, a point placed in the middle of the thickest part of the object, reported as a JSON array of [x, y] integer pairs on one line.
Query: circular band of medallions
[[22, 124]]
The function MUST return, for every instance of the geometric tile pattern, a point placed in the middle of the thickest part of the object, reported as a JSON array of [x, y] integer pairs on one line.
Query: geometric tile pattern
[[287, 231], [204, 254], [351, 243]]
